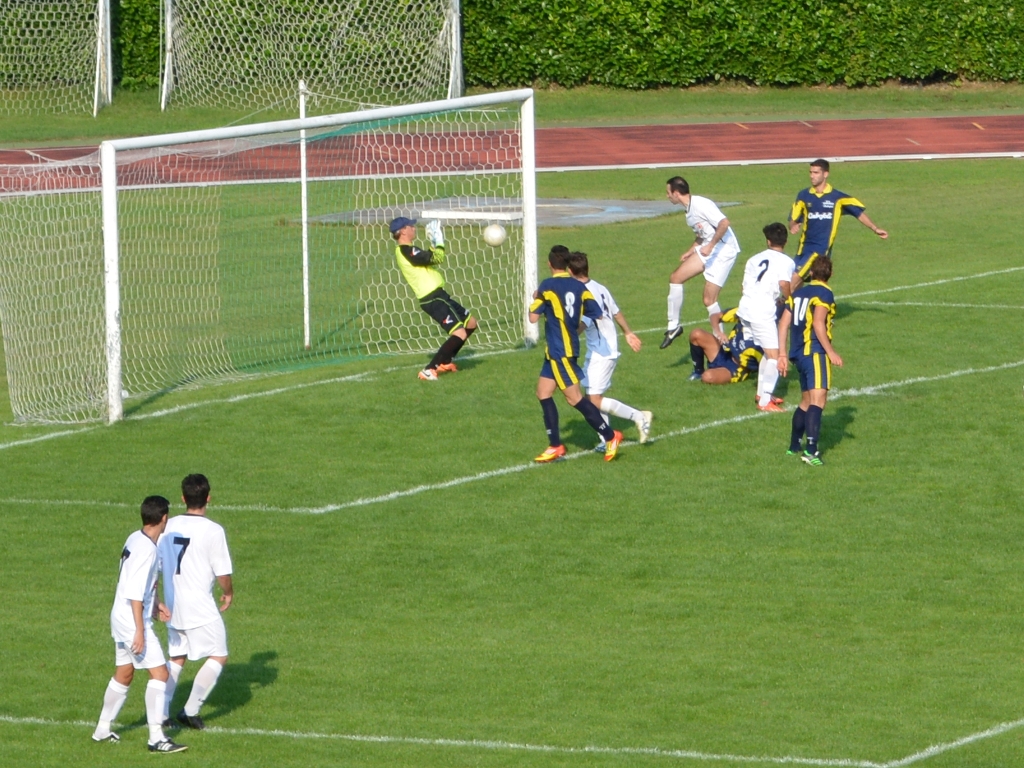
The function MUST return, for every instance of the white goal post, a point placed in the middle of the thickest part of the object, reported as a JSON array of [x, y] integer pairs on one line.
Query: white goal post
[[352, 54], [166, 262], [54, 56]]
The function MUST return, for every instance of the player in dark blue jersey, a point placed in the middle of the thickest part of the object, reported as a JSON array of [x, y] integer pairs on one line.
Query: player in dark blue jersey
[[808, 321], [563, 301], [818, 209], [728, 363]]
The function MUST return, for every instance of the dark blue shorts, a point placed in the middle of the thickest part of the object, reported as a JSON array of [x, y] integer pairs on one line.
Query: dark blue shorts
[[563, 370], [724, 360], [815, 371]]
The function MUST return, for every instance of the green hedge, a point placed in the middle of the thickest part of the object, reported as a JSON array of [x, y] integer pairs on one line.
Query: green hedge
[[647, 43]]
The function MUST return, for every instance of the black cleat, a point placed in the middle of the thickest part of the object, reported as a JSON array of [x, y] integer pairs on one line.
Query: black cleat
[[671, 336], [194, 722], [167, 746], [110, 738], [168, 723]]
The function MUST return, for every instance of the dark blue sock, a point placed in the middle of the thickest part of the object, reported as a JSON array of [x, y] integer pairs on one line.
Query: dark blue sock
[[594, 419], [551, 421], [697, 355], [813, 428], [799, 425]]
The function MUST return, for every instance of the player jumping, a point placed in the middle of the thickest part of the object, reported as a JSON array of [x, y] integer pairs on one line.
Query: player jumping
[[713, 252], [563, 300]]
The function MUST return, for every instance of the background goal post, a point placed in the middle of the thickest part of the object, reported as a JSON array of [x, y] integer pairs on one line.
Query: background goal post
[[54, 56], [352, 54], [166, 262]]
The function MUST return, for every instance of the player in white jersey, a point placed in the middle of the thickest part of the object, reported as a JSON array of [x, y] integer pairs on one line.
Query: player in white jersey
[[131, 624], [193, 556], [603, 351], [766, 278], [713, 252]]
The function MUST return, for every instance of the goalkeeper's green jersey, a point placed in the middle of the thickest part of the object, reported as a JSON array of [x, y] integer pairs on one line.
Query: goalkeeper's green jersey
[[420, 268]]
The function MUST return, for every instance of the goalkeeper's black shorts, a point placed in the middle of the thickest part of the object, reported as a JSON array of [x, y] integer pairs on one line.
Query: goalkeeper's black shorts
[[449, 314]]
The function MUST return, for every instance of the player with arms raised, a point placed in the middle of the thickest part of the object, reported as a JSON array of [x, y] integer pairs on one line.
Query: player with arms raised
[[563, 301], [810, 311], [131, 624], [193, 556], [419, 268], [818, 209], [713, 252], [766, 278]]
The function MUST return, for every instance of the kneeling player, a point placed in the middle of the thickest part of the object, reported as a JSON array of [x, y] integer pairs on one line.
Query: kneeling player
[[603, 351], [728, 363], [419, 268], [563, 300], [810, 311]]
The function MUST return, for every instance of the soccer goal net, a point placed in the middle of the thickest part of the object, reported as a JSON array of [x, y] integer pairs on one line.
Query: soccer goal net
[[54, 56], [352, 54], [169, 261]]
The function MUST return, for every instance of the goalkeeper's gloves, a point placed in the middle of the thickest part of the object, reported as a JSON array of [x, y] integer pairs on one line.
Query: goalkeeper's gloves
[[435, 234]]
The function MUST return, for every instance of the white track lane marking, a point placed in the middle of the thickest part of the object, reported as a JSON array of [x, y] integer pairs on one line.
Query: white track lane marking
[[917, 757], [367, 374], [836, 394]]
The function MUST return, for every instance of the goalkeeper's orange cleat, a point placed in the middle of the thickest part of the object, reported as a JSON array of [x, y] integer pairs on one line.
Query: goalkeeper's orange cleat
[[447, 368], [612, 447], [553, 453]]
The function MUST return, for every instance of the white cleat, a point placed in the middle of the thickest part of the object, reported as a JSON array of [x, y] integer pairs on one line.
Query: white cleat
[[643, 425]]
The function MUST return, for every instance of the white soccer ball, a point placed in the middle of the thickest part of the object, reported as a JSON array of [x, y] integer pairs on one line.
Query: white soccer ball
[[494, 235]]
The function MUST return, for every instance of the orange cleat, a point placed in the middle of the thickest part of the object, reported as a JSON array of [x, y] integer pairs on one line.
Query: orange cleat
[[771, 408], [775, 400], [447, 368], [613, 446], [553, 453]]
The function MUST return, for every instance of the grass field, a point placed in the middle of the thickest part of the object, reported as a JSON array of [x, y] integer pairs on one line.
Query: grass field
[[137, 113], [411, 590]]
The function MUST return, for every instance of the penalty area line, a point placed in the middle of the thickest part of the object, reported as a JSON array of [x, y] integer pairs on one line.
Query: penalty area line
[[929, 284]]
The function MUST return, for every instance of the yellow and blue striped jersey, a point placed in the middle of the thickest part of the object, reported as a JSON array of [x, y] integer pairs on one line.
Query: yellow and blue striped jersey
[[820, 215], [743, 352], [564, 300], [803, 341]]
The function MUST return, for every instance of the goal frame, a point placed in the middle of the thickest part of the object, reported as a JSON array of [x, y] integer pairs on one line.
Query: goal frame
[[109, 201]]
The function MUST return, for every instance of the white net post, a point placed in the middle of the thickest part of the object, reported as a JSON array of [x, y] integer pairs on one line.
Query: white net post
[[111, 281], [531, 333], [303, 181], [167, 51], [455, 81], [54, 56]]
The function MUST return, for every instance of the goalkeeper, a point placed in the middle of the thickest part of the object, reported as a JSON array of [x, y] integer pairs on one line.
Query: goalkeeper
[[420, 270]]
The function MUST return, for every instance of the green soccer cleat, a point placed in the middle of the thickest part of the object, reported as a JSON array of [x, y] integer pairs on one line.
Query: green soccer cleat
[[813, 459]]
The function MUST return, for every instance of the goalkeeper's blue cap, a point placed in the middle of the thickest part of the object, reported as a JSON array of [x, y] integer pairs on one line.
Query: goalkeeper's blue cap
[[400, 223]]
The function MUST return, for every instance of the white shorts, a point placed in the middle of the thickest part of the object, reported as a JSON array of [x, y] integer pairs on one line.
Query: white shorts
[[152, 655], [764, 333], [198, 643], [597, 374], [718, 265]]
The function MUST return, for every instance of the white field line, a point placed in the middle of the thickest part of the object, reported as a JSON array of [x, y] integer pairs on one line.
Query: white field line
[[943, 304], [924, 754], [875, 389], [367, 374], [932, 282]]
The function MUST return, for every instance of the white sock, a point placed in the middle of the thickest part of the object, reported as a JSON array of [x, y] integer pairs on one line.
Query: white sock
[[767, 378], [675, 305], [623, 411], [173, 673], [716, 308], [155, 691], [206, 679], [113, 700]]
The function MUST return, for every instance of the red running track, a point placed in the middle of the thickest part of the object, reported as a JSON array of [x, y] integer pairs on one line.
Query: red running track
[[648, 145]]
